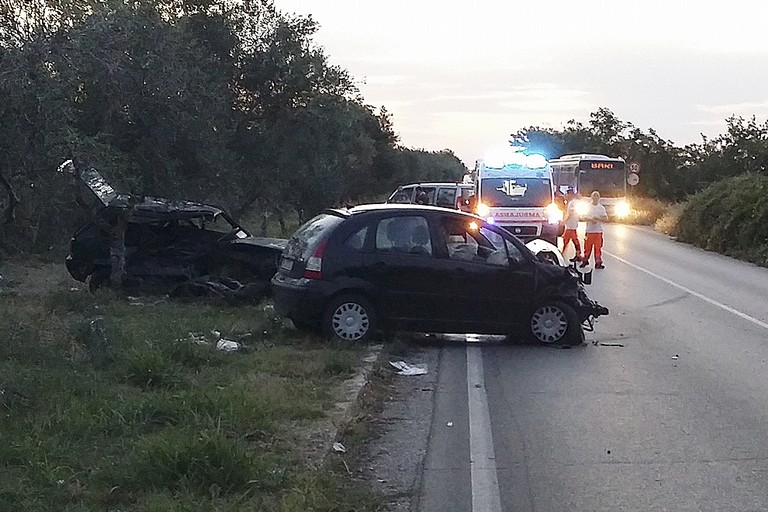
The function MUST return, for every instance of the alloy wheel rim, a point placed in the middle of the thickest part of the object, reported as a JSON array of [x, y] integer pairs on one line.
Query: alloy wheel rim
[[549, 324], [350, 321]]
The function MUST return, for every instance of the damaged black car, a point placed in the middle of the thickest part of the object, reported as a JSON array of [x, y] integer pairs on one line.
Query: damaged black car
[[350, 272], [163, 246]]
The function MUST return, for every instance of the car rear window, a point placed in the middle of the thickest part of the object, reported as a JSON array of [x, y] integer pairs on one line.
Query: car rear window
[[305, 240]]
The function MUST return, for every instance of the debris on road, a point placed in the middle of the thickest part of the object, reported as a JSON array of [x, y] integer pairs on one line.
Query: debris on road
[[675, 357], [609, 344], [449, 424], [407, 369], [339, 448]]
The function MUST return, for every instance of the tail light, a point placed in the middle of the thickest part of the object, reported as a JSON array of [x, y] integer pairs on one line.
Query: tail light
[[314, 267]]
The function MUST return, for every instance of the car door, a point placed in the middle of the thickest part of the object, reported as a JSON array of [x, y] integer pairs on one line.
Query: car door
[[401, 266], [490, 281]]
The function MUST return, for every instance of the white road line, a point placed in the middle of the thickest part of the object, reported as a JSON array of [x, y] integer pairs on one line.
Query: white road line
[[482, 459], [695, 294]]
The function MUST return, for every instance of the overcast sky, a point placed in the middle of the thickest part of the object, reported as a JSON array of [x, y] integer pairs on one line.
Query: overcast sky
[[463, 76]]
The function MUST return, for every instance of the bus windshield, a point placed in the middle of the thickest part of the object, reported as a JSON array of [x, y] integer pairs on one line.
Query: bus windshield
[[518, 192], [608, 183]]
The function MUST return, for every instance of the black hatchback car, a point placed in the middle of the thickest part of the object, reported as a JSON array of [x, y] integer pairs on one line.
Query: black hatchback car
[[349, 272]]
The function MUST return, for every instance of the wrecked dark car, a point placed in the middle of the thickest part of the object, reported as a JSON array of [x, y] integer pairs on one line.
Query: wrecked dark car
[[177, 247], [349, 272]]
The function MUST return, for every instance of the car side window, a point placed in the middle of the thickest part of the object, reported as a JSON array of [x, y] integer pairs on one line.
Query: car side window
[[408, 234], [402, 196], [446, 197], [356, 240], [467, 241]]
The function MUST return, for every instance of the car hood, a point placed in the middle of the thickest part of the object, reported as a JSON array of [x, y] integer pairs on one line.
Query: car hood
[[277, 244]]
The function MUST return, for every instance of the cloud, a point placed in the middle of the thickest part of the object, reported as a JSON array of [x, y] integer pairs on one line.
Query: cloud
[[744, 108]]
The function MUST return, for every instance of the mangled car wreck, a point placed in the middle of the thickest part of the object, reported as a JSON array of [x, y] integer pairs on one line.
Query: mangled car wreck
[[163, 246]]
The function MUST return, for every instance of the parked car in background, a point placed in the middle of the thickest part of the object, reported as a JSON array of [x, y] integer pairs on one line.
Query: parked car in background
[[445, 195], [349, 272]]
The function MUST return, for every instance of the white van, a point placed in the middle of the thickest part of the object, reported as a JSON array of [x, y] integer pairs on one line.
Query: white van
[[446, 195], [518, 194]]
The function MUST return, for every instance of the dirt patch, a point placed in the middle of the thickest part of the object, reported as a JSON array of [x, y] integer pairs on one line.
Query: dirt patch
[[30, 278]]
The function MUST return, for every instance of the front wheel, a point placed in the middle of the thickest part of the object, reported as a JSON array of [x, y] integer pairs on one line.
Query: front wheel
[[349, 318], [556, 323]]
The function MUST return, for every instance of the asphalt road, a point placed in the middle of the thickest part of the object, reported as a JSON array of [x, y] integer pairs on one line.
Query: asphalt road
[[669, 411]]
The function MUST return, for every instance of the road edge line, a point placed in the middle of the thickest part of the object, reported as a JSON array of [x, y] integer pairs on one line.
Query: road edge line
[[703, 297], [482, 458]]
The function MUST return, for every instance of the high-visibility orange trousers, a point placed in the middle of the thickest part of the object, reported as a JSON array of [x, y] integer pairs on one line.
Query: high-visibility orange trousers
[[570, 235], [594, 241]]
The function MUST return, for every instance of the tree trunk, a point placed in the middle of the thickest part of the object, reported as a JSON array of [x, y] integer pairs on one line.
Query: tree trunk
[[117, 249], [9, 215]]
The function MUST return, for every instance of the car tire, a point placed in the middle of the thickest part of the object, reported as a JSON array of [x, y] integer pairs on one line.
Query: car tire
[[349, 318], [556, 323]]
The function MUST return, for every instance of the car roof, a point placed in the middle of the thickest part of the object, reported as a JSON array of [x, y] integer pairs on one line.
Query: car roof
[[149, 206], [399, 207], [438, 184]]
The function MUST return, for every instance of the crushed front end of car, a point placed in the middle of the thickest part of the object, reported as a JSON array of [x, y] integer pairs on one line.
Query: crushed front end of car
[[565, 284]]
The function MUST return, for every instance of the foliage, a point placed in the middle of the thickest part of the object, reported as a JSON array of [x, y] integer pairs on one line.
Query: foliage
[[668, 172], [136, 415], [730, 217], [221, 101]]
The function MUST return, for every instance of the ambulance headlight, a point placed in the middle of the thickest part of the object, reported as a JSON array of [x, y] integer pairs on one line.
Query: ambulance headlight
[[554, 214], [483, 210]]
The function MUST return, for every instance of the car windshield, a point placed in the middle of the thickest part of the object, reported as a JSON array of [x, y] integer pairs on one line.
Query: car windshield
[[608, 183], [516, 192]]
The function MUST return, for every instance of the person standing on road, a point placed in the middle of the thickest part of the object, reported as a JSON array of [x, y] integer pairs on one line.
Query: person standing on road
[[571, 225], [594, 239]]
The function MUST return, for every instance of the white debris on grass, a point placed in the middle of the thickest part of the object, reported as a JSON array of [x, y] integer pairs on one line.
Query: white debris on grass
[[338, 447], [407, 369], [226, 345], [214, 338]]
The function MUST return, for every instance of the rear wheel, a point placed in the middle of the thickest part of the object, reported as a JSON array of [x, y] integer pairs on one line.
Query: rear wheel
[[349, 318], [555, 323]]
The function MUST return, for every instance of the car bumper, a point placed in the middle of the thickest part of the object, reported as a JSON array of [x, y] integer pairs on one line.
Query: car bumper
[[298, 299]]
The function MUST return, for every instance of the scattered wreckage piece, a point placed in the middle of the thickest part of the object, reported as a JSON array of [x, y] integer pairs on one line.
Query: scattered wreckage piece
[[163, 246]]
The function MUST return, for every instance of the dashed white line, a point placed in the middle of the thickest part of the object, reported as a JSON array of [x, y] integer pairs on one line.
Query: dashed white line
[[720, 305], [485, 482]]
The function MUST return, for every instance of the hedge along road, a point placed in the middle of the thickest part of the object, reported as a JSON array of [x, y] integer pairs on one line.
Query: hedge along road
[[669, 411]]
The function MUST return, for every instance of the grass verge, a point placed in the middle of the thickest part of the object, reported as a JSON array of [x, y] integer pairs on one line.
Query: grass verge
[[109, 406]]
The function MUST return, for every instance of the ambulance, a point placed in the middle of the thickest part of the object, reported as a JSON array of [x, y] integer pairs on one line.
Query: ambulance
[[516, 192]]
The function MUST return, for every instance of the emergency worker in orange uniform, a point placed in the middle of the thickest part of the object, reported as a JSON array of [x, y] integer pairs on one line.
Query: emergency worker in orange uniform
[[594, 218], [571, 224]]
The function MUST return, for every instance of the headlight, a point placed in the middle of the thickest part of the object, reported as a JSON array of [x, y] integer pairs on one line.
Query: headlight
[[483, 210], [582, 207], [554, 214], [621, 209]]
